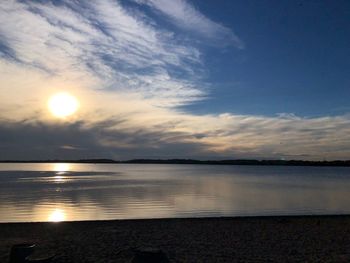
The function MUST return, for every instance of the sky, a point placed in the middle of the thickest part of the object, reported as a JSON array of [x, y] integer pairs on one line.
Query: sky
[[176, 79]]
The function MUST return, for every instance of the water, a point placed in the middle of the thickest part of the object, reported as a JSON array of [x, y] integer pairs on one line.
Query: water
[[59, 192]]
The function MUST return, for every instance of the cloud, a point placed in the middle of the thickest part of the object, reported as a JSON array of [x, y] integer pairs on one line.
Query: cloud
[[130, 76], [102, 44], [143, 135], [186, 16], [81, 140]]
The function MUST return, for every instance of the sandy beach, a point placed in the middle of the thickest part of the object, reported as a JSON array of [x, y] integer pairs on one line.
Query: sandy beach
[[249, 239]]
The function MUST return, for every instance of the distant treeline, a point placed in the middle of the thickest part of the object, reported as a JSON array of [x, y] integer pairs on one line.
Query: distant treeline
[[191, 161]]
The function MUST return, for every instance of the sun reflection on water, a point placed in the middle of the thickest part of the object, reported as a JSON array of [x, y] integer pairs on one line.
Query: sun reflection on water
[[57, 215], [59, 178], [61, 168]]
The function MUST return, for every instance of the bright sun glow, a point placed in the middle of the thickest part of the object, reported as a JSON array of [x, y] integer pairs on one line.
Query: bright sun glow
[[61, 167], [63, 105], [57, 215]]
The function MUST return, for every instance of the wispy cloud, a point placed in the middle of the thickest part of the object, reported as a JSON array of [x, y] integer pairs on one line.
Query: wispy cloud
[[102, 41], [145, 135], [130, 76], [186, 16]]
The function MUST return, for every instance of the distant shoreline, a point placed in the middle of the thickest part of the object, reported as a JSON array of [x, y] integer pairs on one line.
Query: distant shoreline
[[336, 163]]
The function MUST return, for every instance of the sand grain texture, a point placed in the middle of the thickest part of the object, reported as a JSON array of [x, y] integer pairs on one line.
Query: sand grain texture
[[255, 239]]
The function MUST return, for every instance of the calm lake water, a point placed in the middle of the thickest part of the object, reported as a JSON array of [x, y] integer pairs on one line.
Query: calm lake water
[[61, 191]]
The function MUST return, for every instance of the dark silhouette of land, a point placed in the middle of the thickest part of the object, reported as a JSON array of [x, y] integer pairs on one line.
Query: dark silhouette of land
[[335, 163]]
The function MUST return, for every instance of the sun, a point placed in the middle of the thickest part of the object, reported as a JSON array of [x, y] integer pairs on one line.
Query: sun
[[63, 105]]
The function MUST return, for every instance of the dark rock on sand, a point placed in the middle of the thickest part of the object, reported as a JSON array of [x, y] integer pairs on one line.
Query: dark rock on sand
[[20, 253]]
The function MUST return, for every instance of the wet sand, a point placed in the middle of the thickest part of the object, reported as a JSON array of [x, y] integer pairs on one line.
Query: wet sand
[[250, 239]]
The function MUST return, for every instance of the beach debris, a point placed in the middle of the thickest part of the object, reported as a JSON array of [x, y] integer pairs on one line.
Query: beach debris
[[149, 255], [20, 254]]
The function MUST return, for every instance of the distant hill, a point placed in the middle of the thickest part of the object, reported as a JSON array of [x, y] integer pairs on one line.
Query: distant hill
[[192, 161]]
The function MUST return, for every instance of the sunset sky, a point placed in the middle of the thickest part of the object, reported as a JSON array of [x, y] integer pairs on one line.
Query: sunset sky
[[175, 79]]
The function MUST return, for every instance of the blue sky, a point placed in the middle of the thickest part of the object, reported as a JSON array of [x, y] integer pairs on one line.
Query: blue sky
[[295, 58], [176, 79]]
